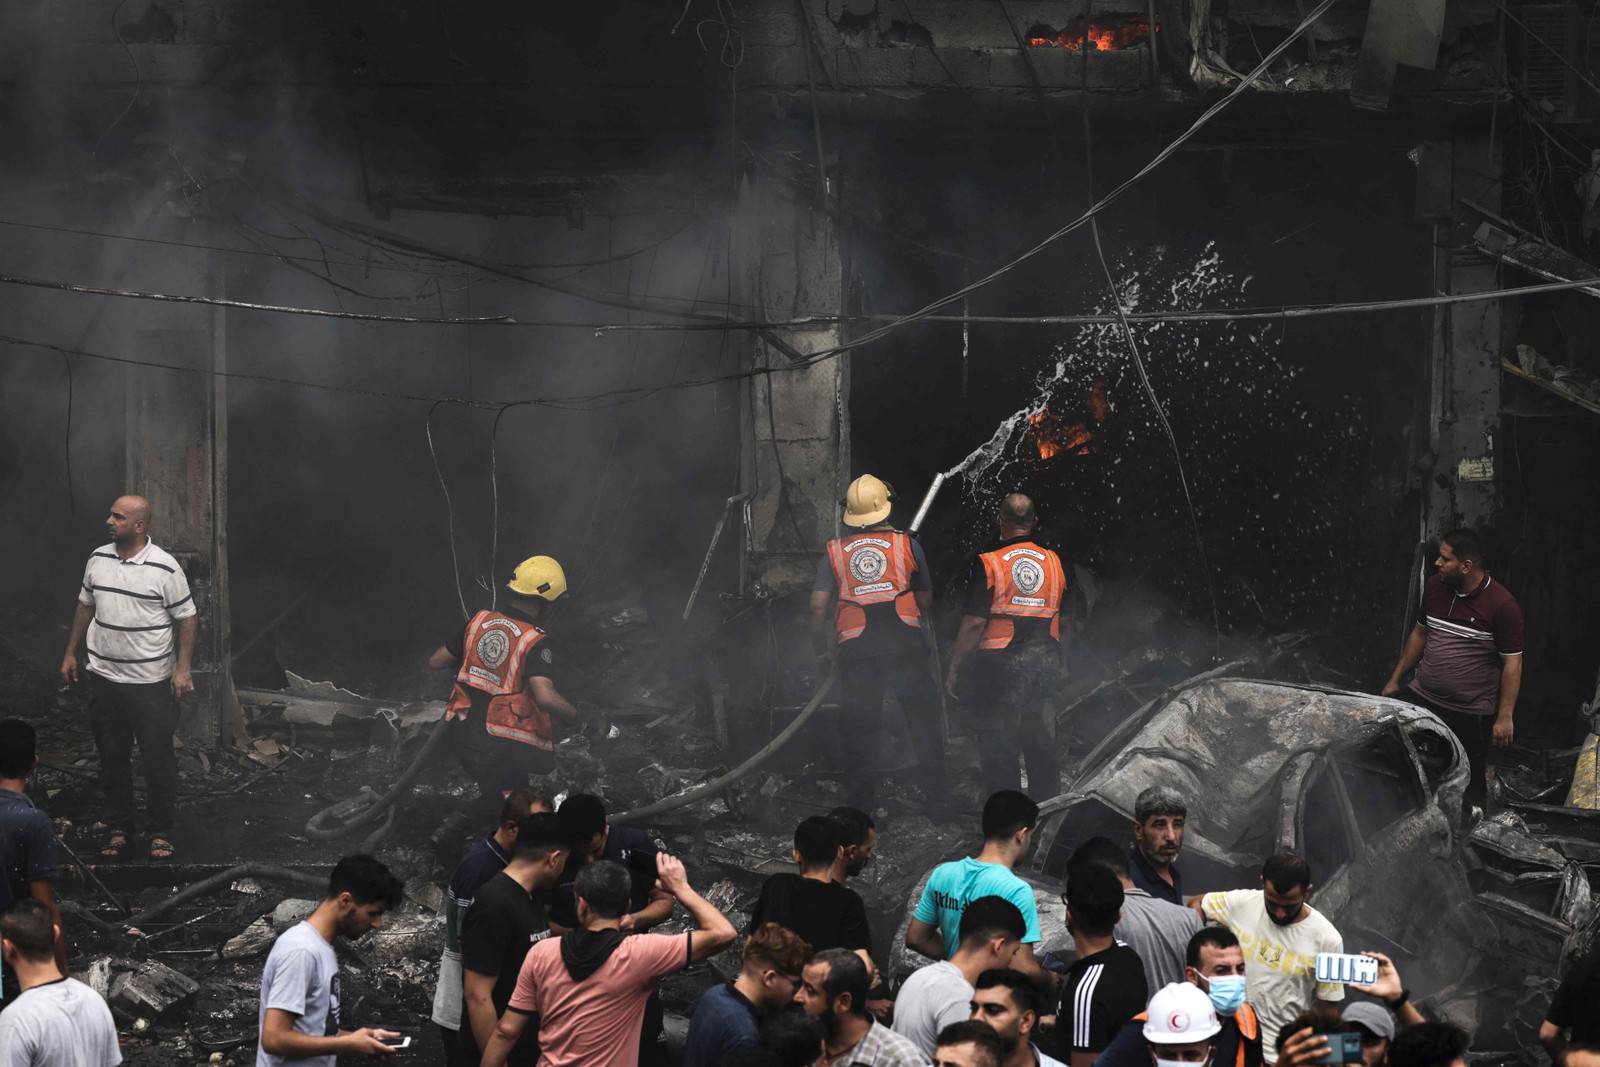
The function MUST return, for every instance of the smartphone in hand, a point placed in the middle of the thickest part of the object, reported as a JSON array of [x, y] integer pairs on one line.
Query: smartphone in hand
[[1346, 969], [1343, 1049]]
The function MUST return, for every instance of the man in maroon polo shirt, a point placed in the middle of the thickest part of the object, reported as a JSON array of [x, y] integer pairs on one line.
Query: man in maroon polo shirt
[[1468, 642]]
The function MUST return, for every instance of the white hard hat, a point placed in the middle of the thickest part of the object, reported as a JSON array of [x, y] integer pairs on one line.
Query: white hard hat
[[1180, 1014]]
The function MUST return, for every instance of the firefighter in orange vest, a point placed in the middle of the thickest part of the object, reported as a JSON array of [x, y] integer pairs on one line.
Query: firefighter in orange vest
[[1011, 619], [867, 605], [505, 694]]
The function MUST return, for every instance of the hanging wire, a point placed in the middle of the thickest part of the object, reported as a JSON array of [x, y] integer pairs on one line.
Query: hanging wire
[[138, 80], [449, 507], [494, 489], [1133, 344]]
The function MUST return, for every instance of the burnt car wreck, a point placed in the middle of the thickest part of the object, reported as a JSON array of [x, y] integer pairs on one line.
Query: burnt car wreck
[[1369, 791]]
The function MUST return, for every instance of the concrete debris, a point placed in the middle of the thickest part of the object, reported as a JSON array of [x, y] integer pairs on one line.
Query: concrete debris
[[426, 892], [405, 937], [152, 990], [100, 973], [291, 911], [248, 885], [257, 937]]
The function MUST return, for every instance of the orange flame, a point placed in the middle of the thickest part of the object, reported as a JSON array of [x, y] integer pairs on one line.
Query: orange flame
[[1099, 408], [1051, 437], [1103, 37]]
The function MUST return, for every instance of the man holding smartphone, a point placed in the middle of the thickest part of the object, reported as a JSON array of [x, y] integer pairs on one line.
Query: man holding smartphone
[[299, 1017]]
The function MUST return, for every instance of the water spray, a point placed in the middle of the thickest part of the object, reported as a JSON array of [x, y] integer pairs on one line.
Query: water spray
[[987, 453]]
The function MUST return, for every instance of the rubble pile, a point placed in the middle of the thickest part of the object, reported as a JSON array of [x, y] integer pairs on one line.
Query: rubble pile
[[183, 979]]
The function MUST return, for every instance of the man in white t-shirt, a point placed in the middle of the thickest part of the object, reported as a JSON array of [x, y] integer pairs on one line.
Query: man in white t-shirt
[[1281, 935], [935, 996], [298, 1019], [57, 1021], [136, 617]]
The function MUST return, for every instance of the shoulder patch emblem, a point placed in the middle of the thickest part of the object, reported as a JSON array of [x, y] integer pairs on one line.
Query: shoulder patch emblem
[[492, 649], [868, 564], [1027, 575]]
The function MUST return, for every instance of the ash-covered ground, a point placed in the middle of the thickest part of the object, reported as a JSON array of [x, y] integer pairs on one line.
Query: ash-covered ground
[[654, 736]]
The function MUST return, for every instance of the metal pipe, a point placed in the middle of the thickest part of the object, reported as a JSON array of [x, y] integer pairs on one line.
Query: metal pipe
[[705, 564], [927, 501]]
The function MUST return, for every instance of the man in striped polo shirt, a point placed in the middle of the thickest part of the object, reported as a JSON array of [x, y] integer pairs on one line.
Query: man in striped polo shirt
[[134, 596], [1467, 648]]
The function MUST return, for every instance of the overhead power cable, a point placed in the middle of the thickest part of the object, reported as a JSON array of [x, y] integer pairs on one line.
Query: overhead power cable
[[1287, 311], [177, 298]]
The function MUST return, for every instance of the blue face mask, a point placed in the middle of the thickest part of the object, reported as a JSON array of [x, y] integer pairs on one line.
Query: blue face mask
[[1226, 992]]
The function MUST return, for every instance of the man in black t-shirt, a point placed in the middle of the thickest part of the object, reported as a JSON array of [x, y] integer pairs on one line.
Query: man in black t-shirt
[[1575, 1005], [594, 839], [824, 913], [1105, 986], [503, 922]]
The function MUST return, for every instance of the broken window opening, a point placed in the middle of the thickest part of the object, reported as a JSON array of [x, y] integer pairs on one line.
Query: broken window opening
[[1324, 835], [1381, 783]]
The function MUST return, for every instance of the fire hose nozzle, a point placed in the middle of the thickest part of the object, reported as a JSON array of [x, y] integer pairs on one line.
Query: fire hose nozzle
[[927, 502]]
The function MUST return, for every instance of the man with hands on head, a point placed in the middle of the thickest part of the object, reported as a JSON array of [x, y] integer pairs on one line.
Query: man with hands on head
[[589, 987]]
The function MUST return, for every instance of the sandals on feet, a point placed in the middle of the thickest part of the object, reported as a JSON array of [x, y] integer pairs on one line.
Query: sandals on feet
[[116, 842], [161, 848]]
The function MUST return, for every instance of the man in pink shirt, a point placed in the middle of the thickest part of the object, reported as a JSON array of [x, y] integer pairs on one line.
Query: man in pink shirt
[[589, 987]]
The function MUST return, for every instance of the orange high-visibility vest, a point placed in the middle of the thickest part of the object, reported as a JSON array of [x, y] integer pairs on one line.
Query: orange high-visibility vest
[[872, 567], [1249, 1028], [496, 650], [1026, 581]]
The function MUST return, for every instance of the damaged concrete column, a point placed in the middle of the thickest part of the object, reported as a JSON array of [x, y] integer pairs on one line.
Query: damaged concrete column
[[176, 456], [795, 437], [1457, 455]]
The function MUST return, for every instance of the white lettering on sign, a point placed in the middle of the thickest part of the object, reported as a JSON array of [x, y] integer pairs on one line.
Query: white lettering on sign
[[1347, 969], [1022, 550], [1028, 601], [881, 587]]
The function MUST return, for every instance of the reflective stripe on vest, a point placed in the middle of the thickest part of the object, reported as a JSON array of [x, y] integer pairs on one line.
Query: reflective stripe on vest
[[495, 652], [1025, 581], [872, 567], [1248, 1028]]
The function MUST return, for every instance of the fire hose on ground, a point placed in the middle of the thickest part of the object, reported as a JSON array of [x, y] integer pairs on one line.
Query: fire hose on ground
[[366, 807], [353, 813], [701, 792]]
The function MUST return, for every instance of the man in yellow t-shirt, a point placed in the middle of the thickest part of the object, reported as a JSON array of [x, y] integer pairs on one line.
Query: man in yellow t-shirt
[[1281, 935]]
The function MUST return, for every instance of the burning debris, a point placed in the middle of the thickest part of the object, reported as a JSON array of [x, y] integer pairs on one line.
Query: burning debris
[[1051, 436], [1103, 36]]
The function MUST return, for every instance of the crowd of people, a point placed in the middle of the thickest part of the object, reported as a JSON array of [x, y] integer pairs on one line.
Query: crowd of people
[[552, 956], [554, 962]]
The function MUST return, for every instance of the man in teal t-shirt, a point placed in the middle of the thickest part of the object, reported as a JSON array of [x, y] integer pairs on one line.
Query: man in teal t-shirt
[[1009, 818]]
